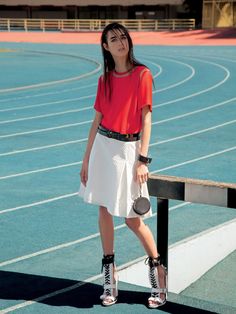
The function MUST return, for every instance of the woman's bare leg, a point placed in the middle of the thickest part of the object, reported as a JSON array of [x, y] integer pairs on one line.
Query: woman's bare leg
[[106, 228], [145, 236]]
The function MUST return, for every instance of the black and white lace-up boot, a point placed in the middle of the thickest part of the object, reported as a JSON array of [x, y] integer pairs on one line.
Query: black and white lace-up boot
[[110, 283], [158, 287]]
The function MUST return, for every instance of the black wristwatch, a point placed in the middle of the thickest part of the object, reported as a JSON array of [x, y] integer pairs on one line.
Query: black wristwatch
[[145, 160]]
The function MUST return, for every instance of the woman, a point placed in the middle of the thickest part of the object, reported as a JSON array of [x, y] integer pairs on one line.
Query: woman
[[115, 162]]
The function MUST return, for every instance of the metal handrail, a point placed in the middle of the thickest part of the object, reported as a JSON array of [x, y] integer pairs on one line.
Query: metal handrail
[[94, 24], [165, 188]]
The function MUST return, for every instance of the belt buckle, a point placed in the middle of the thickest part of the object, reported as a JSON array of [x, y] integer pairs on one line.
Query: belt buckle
[[109, 134], [131, 137]]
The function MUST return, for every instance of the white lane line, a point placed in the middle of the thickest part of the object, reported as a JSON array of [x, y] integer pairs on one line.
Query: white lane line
[[76, 78], [46, 129], [45, 115], [192, 134], [86, 108], [196, 111], [63, 101], [201, 91], [65, 90], [91, 85], [155, 106], [98, 64], [41, 170], [49, 200], [50, 295], [86, 122], [192, 74], [48, 250], [192, 69], [42, 147], [90, 96], [196, 159], [51, 103], [152, 144], [212, 57], [75, 242], [158, 90], [85, 139], [48, 93]]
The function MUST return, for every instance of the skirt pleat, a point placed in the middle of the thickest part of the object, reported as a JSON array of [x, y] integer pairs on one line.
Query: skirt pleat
[[111, 176]]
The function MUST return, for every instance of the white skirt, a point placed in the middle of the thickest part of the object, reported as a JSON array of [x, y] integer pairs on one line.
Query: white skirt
[[111, 177]]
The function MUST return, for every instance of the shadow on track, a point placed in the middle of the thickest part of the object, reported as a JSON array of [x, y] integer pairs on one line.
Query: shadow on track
[[27, 287]]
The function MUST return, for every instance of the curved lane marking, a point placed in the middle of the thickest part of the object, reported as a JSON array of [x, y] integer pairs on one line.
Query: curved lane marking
[[99, 66], [189, 77], [80, 162], [90, 121], [221, 82], [66, 100], [154, 106]]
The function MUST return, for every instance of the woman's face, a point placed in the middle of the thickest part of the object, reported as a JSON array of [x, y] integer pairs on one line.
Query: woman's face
[[117, 43]]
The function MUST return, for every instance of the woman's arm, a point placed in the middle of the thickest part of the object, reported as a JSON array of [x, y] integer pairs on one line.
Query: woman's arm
[[146, 130], [141, 169], [91, 137]]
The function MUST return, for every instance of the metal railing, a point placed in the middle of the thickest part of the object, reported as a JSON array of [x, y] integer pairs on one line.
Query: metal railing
[[93, 25], [189, 190]]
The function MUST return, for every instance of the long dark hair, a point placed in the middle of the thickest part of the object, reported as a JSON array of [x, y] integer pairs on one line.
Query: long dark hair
[[108, 61]]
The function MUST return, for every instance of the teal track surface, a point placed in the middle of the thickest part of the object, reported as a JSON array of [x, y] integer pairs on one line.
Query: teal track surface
[[49, 237]]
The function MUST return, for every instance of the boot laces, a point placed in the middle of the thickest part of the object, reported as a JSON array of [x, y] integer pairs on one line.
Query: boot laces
[[153, 280], [107, 278], [107, 267], [153, 273]]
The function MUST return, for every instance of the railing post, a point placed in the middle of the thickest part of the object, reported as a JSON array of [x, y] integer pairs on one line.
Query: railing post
[[156, 25], [162, 229], [173, 25], [25, 25], [8, 25], [139, 25], [42, 25]]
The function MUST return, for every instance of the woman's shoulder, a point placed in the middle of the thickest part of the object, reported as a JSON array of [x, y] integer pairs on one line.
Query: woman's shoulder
[[141, 69], [101, 78]]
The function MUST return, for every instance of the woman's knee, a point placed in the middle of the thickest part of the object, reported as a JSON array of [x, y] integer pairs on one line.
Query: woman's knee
[[133, 223], [104, 212]]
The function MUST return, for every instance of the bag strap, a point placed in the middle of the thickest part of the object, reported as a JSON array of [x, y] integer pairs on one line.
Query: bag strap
[[140, 189]]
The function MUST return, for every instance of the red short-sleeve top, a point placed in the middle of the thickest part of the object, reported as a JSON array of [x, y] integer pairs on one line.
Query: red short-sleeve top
[[130, 92]]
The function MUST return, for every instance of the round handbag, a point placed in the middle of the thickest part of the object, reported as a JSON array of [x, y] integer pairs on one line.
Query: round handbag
[[141, 204]]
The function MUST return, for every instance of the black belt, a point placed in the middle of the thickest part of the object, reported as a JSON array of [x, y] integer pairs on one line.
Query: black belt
[[118, 136]]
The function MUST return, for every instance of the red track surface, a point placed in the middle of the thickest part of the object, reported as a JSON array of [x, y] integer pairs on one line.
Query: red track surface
[[195, 37]]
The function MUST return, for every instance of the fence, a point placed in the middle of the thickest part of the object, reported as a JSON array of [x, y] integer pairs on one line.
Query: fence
[[93, 25], [189, 190]]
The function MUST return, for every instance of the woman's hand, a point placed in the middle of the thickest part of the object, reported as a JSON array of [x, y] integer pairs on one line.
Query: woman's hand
[[91, 138], [141, 172], [84, 172]]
